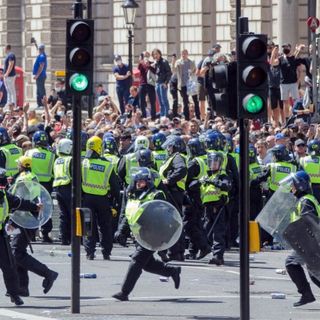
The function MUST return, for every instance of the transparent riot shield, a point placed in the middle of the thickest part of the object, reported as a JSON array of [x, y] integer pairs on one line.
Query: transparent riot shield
[[156, 225], [32, 191], [275, 216]]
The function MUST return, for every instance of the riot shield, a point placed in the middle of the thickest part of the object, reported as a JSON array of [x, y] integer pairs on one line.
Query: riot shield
[[275, 216], [304, 237], [157, 226], [32, 191]]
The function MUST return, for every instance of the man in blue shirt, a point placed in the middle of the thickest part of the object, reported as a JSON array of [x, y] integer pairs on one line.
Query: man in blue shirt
[[3, 91], [10, 75], [40, 74], [122, 74]]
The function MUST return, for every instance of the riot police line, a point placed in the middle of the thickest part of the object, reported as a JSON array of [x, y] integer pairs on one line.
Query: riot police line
[[198, 179]]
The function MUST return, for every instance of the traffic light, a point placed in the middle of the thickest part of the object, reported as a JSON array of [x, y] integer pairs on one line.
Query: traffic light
[[225, 82], [253, 76], [79, 57]]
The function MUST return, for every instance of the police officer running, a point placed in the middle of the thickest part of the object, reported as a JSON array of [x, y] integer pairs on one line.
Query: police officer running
[[62, 185], [98, 180], [10, 202], [307, 205], [42, 166], [141, 190], [20, 242]]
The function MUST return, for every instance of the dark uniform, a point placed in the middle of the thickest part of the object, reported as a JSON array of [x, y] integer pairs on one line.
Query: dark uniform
[[142, 259], [307, 205], [173, 173], [214, 188]]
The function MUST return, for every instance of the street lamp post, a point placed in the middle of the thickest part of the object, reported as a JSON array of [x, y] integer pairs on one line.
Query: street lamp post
[[129, 9]]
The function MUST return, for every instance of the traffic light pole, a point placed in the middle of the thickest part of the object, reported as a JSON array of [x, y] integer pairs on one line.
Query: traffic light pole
[[76, 203], [76, 189], [242, 26]]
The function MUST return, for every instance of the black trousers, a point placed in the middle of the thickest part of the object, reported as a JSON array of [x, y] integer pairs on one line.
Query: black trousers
[[63, 195], [176, 199], [184, 95], [147, 89], [24, 261], [102, 220], [174, 94], [193, 226], [47, 227], [9, 271], [143, 259], [215, 228], [232, 221]]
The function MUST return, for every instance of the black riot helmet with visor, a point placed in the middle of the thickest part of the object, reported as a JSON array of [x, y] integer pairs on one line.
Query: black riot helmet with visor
[[215, 160]]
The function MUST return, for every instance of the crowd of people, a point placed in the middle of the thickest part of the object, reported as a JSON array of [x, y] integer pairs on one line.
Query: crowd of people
[[186, 154]]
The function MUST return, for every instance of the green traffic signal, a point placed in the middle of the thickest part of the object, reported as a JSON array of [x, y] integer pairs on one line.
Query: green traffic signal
[[79, 82], [252, 103]]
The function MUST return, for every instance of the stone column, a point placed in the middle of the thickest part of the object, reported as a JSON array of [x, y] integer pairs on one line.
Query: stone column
[[10, 27], [288, 23], [173, 29], [209, 35]]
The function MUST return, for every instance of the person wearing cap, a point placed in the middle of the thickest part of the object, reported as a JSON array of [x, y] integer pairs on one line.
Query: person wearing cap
[[100, 188], [20, 241], [40, 74], [123, 81], [300, 150], [280, 138]]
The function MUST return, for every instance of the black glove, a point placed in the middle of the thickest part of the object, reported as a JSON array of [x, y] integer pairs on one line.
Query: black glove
[[120, 238]]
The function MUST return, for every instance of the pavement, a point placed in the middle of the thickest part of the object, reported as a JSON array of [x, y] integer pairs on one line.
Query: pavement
[[206, 293]]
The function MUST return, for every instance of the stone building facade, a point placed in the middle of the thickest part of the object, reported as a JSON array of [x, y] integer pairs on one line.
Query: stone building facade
[[170, 25]]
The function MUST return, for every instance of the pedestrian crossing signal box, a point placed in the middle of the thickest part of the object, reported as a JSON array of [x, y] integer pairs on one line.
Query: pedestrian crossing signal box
[[84, 222]]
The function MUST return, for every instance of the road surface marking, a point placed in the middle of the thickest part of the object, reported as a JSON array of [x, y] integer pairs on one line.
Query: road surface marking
[[23, 316]]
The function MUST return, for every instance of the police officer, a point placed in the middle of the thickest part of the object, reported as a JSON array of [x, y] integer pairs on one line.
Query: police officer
[[84, 138], [110, 150], [311, 165], [62, 185], [98, 180], [42, 166], [20, 242], [280, 167], [214, 188], [173, 174], [10, 202], [9, 153], [141, 190], [255, 189], [307, 204], [129, 161], [192, 213], [159, 155]]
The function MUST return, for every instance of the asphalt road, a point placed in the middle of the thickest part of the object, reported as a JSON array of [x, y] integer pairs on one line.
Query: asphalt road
[[206, 293]]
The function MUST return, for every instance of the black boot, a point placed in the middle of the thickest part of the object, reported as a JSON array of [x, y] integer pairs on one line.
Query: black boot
[[307, 297], [204, 252], [16, 300], [48, 281], [297, 275], [121, 296]]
